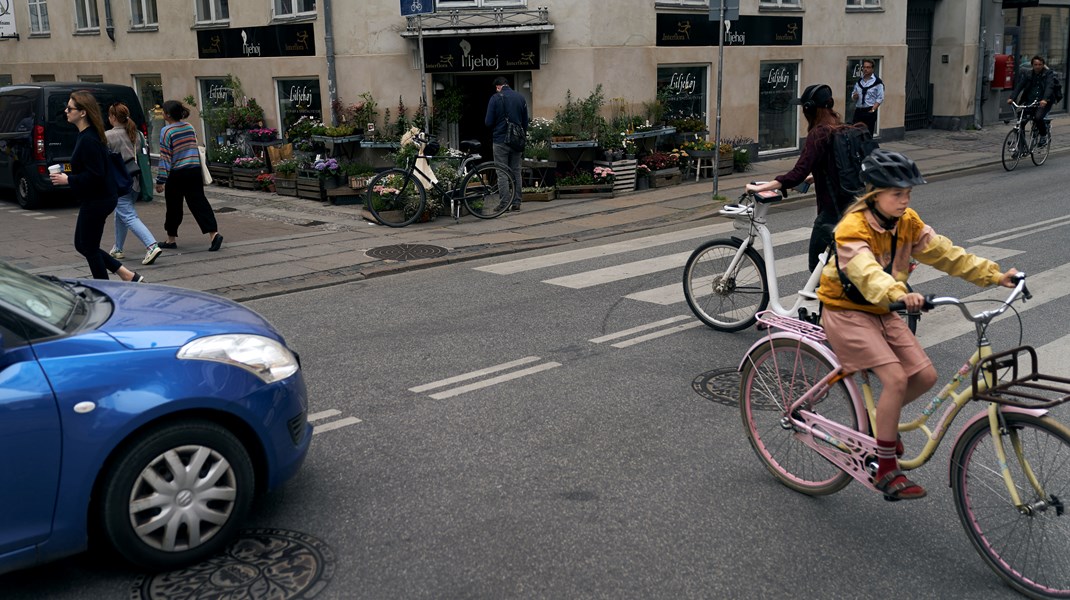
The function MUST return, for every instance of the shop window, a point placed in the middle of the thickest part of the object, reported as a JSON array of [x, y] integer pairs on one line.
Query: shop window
[[298, 98], [215, 96], [85, 15], [149, 90], [213, 11], [294, 8], [38, 16], [854, 73], [683, 90], [91, 78], [143, 13], [5, 80], [778, 116]]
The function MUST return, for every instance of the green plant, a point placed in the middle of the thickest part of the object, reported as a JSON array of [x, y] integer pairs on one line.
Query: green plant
[[286, 166], [449, 105], [591, 123], [401, 123], [340, 131], [577, 177], [357, 169], [567, 119], [223, 153], [189, 100], [537, 151], [249, 162]]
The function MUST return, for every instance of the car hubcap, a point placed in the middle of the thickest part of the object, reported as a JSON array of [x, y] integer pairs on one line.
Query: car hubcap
[[182, 498]]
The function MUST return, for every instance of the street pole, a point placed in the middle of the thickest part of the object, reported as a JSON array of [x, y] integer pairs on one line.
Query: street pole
[[423, 73], [720, 69]]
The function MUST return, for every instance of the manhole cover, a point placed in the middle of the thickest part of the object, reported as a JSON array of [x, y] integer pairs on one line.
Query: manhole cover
[[270, 564], [407, 252], [720, 386]]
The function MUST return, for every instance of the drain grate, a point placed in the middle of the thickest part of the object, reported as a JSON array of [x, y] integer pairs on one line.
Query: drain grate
[[720, 386], [403, 252], [226, 209], [289, 563]]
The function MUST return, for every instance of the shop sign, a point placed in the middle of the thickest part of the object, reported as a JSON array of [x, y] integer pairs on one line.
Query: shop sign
[[257, 42], [748, 30], [7, 20], [481, 54]]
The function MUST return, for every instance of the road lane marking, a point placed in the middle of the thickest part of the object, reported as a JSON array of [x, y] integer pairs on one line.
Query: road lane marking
[[998, 236], [323, 414], [633, 330], [335, 425], [658, 334], [474, 374], [1052, 357], [464, 389]]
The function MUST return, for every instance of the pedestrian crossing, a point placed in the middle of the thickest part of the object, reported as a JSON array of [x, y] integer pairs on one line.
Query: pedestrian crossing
[[585, 269]]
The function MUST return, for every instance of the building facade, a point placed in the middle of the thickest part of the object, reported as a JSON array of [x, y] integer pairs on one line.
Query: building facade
[[297, 56]]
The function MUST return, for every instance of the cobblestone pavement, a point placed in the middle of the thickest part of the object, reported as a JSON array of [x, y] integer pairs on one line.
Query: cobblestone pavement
[[274, 244]]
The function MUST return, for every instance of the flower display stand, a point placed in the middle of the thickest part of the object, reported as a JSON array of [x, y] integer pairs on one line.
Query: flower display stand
[[221, 173], [624, 174], [665, 178], [308, 185], [285, 186], [568, 192], [245, 179], [544, 196]]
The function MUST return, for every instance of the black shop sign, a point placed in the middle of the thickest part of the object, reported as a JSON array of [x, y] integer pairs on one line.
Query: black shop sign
[[749, 30], [257, 42], [481, 54]]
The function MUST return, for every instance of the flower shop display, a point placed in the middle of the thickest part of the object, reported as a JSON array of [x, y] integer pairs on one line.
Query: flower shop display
[[286, 177], [263, 134], [664, 166], [580, 183], [538, 194], [624, 173], [220, 159], [246, 168], [265, 182]]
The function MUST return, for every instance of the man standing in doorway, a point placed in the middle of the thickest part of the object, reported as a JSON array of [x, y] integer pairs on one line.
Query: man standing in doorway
[[1038, 85], [507, 105], [868, 95]]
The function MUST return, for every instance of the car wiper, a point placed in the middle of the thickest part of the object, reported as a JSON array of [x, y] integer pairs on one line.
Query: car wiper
[[79, 307], [65, 285]]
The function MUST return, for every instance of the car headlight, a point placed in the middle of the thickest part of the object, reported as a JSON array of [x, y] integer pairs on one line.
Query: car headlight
[[261, 356]]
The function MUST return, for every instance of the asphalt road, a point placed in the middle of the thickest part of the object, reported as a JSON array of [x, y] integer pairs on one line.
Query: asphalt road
[[581, 461]]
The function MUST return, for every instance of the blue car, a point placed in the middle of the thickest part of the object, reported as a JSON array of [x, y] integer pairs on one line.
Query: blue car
[[143, 417]]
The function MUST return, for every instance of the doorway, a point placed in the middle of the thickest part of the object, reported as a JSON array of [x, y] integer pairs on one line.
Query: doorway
[[475, 91], [919, 93]]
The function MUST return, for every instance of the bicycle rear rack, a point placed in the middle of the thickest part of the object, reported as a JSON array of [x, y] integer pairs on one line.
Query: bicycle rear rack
[[1024, 390], [804, 329]]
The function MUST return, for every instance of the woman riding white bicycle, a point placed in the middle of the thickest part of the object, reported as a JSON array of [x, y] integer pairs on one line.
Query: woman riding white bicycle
[[875, 242]]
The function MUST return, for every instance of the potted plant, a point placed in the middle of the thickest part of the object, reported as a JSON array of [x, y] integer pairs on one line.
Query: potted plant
[[220, 159], [330, 173], [265, 182], [664, 167], [246, 168], [744, 149], [263, 134], [538, 194], [586, 184], [286, 177]]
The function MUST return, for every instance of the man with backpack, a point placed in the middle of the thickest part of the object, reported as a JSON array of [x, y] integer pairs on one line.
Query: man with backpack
[[833, 154], [868, 95], [1037, 84], [506, 111]]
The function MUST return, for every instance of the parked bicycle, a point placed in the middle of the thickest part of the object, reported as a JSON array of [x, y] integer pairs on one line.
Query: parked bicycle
[[727, 283], [1024, 139], [1009, 467], [398, 197]]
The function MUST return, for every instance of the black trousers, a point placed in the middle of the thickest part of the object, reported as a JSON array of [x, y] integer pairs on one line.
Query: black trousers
[[88, 231], [1038, 115], [187, 184], [866, 115]]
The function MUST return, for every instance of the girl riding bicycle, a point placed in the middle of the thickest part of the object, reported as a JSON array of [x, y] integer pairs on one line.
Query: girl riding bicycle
[[875, 241]]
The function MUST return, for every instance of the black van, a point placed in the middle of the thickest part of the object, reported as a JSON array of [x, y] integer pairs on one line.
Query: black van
[[34, 132]]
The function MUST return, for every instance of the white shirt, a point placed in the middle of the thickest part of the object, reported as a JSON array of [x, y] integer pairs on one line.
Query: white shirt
[[874, 96]]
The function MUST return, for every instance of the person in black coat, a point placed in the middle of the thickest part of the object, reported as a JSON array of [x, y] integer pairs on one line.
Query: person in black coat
[[507, 104], [91, 180], [1036, 85]]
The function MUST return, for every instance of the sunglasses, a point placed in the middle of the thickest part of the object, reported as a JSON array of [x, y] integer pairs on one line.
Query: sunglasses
[[70, 108]]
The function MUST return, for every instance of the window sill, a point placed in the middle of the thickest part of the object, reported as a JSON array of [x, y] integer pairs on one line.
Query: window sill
[[211, 24], [790, 9], [865, 9], [79, 32], [143, 28], [301, 18], [41, 35]]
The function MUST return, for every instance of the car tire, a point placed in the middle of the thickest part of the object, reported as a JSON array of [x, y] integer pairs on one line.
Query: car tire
[[149, 502], [25, 193]]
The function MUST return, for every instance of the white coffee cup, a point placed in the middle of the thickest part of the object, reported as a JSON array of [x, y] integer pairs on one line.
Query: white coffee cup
[[56, 169]]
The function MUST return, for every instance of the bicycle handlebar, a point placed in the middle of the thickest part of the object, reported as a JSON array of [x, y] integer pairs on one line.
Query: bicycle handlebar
[[1020, 106], [932, 301]]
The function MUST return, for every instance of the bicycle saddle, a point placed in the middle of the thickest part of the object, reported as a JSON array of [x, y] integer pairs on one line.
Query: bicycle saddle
[[470, 146]]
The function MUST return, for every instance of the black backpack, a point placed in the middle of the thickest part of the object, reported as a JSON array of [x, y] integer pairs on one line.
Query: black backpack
[[1056, 89], [849, 146]]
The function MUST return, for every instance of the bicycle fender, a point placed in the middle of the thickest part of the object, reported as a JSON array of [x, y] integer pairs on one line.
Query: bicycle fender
[[822, 349], [983, 415]]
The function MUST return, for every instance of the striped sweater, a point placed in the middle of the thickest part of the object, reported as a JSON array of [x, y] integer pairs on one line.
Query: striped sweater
[[178, 149]]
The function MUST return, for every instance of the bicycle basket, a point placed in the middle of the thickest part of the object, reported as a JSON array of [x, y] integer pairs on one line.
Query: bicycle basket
[[432, 148]]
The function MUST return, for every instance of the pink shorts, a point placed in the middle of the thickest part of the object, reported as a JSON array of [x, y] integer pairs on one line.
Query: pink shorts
[[864, 340]]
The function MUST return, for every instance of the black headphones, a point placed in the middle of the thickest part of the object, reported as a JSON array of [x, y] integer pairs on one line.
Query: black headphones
[[810, 100]]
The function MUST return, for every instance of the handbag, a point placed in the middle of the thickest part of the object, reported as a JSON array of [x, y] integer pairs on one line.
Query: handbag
[[205, 175], [145, 178]]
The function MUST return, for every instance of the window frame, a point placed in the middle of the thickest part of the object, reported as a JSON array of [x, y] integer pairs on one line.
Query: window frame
[[864, 5], [40, 7], [146, 23], [780, 4], [214, 7], [682, 3], [88, 15], [792, 91], [295, 14]]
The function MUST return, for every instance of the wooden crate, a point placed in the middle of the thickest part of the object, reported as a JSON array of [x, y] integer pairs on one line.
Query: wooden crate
[[285, 187], [245, 179], [664, 178], [568, 192], [624, 170], [308, 185], [345, 195], [221, 174]]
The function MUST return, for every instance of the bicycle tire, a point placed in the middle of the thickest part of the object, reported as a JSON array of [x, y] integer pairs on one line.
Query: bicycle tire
[[395, 198], [1039, 155], [725, 303], [774, 375], [488, 190], [1027, 550], [1011, 153]]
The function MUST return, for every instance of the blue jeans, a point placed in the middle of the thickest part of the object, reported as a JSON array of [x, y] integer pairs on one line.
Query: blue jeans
[[503, 155], [126, 218]]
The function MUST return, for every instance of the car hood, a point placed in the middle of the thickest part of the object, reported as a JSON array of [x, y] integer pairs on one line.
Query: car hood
[[159, 316]]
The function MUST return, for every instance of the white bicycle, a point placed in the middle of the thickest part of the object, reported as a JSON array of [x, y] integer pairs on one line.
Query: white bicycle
[[727, 282]]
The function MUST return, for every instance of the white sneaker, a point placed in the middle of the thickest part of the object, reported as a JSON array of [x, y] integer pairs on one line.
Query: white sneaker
[[152, 254], [117, 254]]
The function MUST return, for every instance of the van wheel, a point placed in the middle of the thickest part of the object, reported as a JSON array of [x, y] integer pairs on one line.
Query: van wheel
[[25, 194]]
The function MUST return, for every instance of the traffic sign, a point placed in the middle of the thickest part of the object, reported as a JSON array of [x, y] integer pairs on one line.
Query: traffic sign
[[418, 7]]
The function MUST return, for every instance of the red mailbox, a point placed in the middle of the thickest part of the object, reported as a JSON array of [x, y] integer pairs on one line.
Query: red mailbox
[[1003, 76]]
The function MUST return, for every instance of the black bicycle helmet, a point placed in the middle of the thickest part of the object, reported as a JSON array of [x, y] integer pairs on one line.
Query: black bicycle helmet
[[888, 169], [818, 95]]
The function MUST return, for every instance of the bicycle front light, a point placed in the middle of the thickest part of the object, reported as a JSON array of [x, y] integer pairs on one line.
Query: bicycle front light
[[264, 357]]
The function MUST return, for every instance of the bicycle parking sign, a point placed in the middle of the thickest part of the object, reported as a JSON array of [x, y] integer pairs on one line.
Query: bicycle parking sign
[[417, 7]]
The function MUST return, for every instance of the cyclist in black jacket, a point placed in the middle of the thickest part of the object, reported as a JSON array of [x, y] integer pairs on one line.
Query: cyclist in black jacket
[[1036, 85]]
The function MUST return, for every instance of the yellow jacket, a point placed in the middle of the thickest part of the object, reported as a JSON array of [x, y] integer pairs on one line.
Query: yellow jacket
[[865, 248]]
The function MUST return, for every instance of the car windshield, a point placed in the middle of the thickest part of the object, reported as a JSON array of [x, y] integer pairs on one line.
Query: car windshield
[[44, 299]]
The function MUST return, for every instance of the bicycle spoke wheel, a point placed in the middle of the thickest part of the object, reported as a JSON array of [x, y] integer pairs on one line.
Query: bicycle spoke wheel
[[775, 375], [395, 198], [488, 190], [725, 301], [1040, 153], [1011, 152], [1029, 548]]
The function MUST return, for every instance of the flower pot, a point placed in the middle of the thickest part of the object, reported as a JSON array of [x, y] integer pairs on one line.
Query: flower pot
[[546, 196], [567, 192], [358, 183]]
